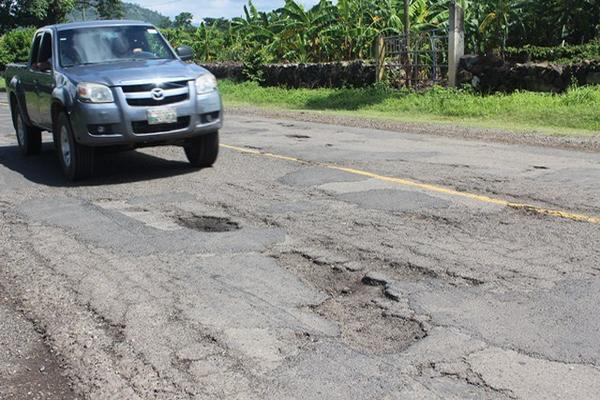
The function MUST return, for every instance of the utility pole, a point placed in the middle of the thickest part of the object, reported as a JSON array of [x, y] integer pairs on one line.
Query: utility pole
[[406, 61], [84, 4], [456, 41], [407, 21]]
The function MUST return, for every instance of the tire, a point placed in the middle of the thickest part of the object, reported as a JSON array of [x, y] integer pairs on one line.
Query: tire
[[77, 161], [29, 138], [202, 151]]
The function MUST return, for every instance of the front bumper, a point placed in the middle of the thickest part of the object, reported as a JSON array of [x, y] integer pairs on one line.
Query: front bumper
[[204, 113]]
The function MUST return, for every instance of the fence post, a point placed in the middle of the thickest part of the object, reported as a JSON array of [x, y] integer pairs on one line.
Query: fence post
[[380, 59], [456, 41]]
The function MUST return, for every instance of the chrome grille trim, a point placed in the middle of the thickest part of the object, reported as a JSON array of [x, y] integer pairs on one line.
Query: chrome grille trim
[[148, 95], [139, 94]]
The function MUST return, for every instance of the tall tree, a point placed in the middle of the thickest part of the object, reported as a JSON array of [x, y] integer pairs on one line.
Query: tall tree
[[184, 20], [110, 9], [15, 13]]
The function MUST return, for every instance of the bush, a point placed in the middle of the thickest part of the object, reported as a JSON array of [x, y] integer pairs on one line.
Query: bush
[[561, 54], [15, 46], [252, 64]]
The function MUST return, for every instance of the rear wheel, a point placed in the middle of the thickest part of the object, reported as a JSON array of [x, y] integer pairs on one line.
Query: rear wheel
[[77, 161], [202, 151], [29, 138]]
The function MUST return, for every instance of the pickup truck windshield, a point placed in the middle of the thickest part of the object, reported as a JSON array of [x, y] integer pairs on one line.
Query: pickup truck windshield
[[110, 44]]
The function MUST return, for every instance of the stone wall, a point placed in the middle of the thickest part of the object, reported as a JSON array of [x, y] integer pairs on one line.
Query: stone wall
[[491, 74], [335, 74], [225, 70]]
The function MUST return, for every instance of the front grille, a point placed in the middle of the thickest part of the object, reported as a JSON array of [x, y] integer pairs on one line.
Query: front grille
[[142, 127], [149, 86], [149, 102], [140, 95]]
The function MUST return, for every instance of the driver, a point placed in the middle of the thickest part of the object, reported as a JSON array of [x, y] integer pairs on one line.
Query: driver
[[69, 55], [120, 46]]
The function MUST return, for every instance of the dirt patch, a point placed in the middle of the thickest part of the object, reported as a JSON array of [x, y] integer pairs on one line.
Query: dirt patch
[[207, 223]]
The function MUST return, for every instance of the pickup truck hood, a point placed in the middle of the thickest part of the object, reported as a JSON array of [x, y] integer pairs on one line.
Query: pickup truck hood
[[119, 73]]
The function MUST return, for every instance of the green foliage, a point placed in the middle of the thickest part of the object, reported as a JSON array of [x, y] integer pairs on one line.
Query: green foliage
[[139, 13], [19, 13], [109, 9], [347, 29], [554, 22], [253, 60], [97, 9], [86, 9], [15, 46], [575, 110], [184, 20], [561, 54]]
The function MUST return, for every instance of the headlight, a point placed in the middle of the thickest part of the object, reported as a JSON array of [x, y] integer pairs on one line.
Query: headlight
[[94, 93], [206, 83]]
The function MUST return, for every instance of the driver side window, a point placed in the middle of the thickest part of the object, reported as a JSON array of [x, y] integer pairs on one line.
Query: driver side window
[[44, 60], [35, 49]]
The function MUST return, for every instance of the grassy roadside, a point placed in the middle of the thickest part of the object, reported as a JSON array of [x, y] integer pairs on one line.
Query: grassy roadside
[[575, 112], [2, 84]]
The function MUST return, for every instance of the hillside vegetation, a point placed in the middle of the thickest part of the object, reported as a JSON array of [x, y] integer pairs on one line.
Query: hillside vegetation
[[130, 11]]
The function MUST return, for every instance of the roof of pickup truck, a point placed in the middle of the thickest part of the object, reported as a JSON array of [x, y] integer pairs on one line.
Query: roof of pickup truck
[[92, 24]]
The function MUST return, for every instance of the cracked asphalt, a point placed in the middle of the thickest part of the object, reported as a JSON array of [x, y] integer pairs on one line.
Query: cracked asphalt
[[276, 277]]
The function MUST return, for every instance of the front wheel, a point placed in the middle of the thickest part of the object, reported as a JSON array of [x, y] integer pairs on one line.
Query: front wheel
[[77, 161], [29, 138], [202, 151]]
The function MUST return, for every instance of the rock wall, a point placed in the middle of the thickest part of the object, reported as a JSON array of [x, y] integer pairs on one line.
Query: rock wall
[[225, 70], [335, 74], [491, 74]]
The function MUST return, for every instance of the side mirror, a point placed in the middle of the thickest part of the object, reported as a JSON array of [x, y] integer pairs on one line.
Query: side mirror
[[185, 53]]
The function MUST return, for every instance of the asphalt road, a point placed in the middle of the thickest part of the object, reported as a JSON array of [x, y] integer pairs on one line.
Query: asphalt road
[[312, 262]]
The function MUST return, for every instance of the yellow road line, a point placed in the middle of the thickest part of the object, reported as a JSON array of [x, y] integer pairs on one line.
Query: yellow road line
[[429, 187]]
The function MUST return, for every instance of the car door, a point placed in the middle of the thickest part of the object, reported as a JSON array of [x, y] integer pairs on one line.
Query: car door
[[45, 81], [29, 82]]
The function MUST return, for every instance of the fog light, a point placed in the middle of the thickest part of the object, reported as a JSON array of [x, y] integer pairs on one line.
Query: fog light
[[207, 118], [99, 129]]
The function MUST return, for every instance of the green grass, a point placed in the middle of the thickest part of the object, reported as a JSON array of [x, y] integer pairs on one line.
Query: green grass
[[575, 112], [2, 85]]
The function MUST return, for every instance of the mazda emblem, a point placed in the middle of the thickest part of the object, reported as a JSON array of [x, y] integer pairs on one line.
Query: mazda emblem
[[157, 94]]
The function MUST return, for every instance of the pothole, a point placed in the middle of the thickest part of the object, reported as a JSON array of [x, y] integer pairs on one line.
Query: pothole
[[207, 223], [298, 136], [365, 327]]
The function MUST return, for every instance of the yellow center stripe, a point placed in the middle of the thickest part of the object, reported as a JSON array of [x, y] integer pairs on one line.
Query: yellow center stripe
[[430, 187]]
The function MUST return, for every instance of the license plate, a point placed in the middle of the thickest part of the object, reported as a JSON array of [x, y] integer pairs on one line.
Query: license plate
[[161, 116]]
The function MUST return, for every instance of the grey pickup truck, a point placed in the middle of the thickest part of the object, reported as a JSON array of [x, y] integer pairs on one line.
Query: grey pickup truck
[[115, 85]]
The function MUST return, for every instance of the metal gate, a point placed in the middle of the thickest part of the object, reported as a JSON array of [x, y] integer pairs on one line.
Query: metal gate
[[420, 61]]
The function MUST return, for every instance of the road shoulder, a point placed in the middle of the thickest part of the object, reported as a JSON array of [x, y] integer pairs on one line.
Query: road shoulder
[[531, 138]]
